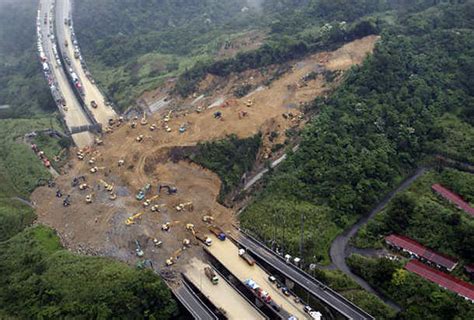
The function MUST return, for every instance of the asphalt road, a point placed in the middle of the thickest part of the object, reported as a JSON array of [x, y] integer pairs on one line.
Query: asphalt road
[[318, 289], [193, 303], [340, 247], [74, 116], [102, 113]]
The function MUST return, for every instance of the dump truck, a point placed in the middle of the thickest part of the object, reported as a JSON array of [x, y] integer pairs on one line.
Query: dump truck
[[211, 275], [218, 232], [248, 258]]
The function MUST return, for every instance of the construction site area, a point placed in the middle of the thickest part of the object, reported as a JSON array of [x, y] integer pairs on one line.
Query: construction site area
[[124, 198]]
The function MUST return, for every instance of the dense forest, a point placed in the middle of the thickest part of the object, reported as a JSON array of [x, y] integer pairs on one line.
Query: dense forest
[[39, 278]]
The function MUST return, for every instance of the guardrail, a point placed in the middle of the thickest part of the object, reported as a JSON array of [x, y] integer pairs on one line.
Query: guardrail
[[76, 92]]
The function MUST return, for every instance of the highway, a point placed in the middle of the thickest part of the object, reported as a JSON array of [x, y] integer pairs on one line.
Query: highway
[[222, 295], [103, 112], [194, 305], [316, 288], [73, 114]]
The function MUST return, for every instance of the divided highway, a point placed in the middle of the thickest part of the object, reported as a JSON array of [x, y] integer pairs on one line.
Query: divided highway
[[192, 302], [316, 288], [102, 113], [72, 112]]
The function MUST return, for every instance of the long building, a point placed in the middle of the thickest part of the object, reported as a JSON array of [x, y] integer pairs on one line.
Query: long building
[[462, 288], [453, 198], [421, 252]]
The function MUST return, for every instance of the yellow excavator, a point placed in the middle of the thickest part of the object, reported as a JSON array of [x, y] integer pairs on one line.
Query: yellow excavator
[[144, 121], [183, 206], [147, 202], [89, 198], [108, 187], [174, 257], [131, 220]]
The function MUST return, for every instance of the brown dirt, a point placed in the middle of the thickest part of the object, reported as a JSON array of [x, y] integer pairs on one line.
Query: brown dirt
[[99, 228]]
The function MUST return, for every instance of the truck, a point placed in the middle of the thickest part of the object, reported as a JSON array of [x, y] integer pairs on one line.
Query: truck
[[206, 240], [218, 232], [248, 258], [261, 294], [211, 275]]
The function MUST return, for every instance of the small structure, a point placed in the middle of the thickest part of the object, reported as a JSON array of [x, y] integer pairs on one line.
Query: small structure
[[417, 250], [453, 198], [462, 288]]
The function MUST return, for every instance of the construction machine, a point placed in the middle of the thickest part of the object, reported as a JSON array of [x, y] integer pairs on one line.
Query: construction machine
[[153, 127], [107, 186], [67, 201], [121, 162], [138, 250], [208, 219], [168, 116], [156, 207], [167, 225], [95, 169], [171, 189], [157, 243], [147, 202], [144, 121], [140, 138], [249, 103], [142, 192], [187, 205], [113, 196], [76, 180], [133, 125], [89, 198], [83, 186], [92, 161], [131, 220], [174, 257]]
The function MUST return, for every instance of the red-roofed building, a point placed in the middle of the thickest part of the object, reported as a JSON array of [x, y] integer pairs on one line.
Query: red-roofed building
[[421, 252], [453, 198], [462, 288]]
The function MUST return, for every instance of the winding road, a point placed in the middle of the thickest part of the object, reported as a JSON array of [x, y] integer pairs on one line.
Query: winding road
[[340, 248]]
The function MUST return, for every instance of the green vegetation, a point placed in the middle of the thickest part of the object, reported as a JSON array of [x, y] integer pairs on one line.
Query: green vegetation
[[371, 132], [42, 280], [419, 298], [23, 86], [230, 158], [418, 209], [352, 291]]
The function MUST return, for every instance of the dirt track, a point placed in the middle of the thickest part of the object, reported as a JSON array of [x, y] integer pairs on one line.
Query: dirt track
[[99, 227]]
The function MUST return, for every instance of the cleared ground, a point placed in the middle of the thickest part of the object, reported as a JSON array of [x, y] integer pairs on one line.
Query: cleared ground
[[99, 227], [221, 295]]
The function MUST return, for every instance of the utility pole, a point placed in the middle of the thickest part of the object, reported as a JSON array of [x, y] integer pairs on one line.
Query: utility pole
[[302, 235]]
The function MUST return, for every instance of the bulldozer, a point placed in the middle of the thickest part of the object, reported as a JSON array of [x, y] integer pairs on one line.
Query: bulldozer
[[187, 205], [171, 189], [131, 220]]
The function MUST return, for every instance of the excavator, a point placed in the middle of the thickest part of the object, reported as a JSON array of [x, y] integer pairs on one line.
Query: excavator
[[67, 202], [174, 257], [107, 186], [75, 182], [89, 198], [167, 225], [171, 189], [168, 116], [138, 250], [187, 205], [208, 219], [131, 220], [147, 202], [206, 240], [95, 169], [83, 186], [144, 121], [142, 192], [156, 207]]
